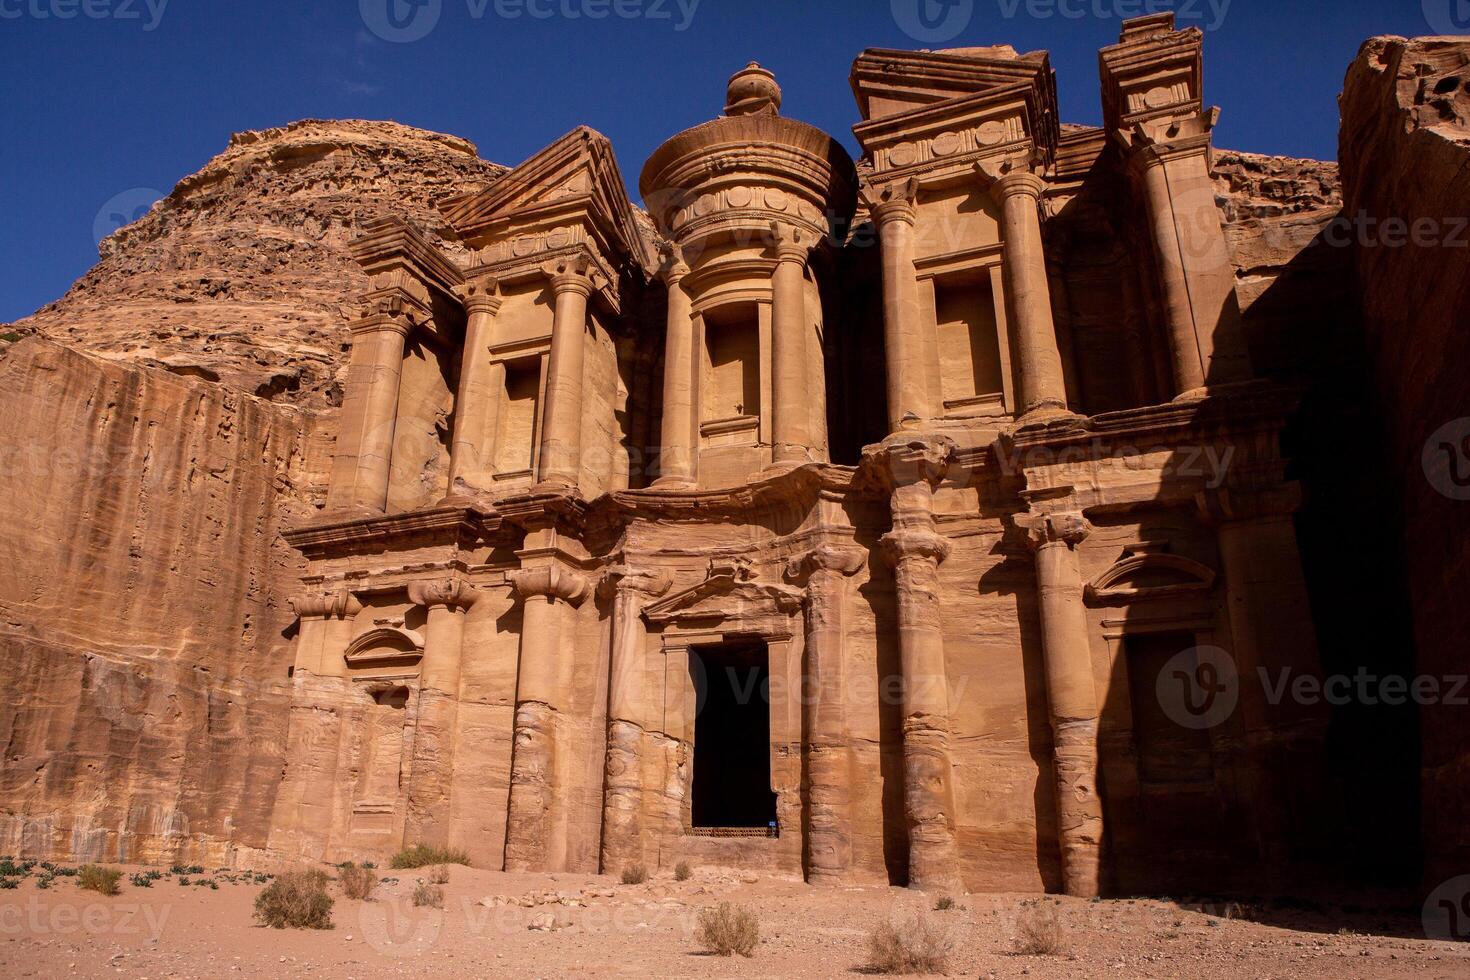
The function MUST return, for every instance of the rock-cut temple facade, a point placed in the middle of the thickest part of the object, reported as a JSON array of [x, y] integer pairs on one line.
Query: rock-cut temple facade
[[914, 519]]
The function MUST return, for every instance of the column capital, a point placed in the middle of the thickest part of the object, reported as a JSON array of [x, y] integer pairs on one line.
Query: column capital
[[1230, 505], [386, 313], [326, 605], [455, 593], [1011, 176], [1154, 142], [570, 274], [914, 543], [896, 201], [842, 560], [480, 295], [903, 460], [625, 579], [672, 267], [1045, 528], [790, 243], [551, 581]]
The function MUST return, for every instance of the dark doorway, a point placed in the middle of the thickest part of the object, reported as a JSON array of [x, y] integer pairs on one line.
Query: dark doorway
[[732, 737]]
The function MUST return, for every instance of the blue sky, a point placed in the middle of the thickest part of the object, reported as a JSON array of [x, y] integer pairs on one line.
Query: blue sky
[[106, 97]]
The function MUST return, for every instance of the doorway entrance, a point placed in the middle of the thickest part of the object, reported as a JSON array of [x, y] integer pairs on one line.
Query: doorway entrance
[[732, 737]]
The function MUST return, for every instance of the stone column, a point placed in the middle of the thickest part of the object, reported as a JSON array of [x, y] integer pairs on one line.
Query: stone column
[[480, 383], [1193, 262], [432, 771], [1071, 693], [790, 418], [550, 593], [369, 412], [1041, 381], [909, 399], [828, 837], [913, 468], [561, 433], [622, 800], [1271, 630], [677, 468]]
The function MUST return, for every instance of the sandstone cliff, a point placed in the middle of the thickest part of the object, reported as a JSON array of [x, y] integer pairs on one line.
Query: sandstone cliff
[[1405, 154], [165, 419]]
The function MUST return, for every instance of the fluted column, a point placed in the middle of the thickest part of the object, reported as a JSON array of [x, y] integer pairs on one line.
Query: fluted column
[[909, 399], [551, 593], [913, 467], [561, 433], [1197, 277], [790, 415], [1040, 379], [622, 799], [478, 398], [432, 771], [828, 837], [369, 411], [677, 467], [1071, 693]]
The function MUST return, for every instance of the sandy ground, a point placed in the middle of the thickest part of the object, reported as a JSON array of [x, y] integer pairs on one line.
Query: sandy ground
[[603, 928]]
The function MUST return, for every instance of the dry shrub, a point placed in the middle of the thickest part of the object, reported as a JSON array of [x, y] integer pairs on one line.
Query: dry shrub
[[357, 882], [104, 881], [296, 900], [422, 855], [1039, 932], [729, 928], [635, 874], [682, 871], [427, 895], [915, 944], [944, 904], [439, 874]]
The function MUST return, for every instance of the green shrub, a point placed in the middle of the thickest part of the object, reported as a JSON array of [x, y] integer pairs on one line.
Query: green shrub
[[104, 881], [944, 904], [9, 883], [422, 855], [140, 881], [635, 874], [682, 871], [729, 928], [913, 945], [357, 883], [9, 868], [296, 900]]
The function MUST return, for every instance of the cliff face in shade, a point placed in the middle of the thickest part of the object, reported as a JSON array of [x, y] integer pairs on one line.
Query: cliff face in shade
[[1405, 154], [164, 421]]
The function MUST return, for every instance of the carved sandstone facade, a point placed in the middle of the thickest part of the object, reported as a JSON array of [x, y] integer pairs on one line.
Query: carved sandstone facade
[[849, 520]]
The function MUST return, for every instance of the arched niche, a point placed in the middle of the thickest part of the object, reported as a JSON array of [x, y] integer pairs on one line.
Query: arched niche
[[1150, 577]]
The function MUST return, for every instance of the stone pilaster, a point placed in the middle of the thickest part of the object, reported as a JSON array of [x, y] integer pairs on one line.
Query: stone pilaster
[[622, 800], [906, 352], [551, 593], [1071, 693], [829, 764], [677, 465], [790, 412], [432, 768], [471, 464], [913, 467], [364, 453], [561, 434], [1042, 383]]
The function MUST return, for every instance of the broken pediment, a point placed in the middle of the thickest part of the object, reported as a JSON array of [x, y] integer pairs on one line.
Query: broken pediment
[[730, 591], [385, 646], [1147, 577]]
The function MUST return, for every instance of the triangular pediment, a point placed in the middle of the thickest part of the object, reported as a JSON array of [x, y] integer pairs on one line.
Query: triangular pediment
[[890, 82], [728, 592], [575, 175]]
